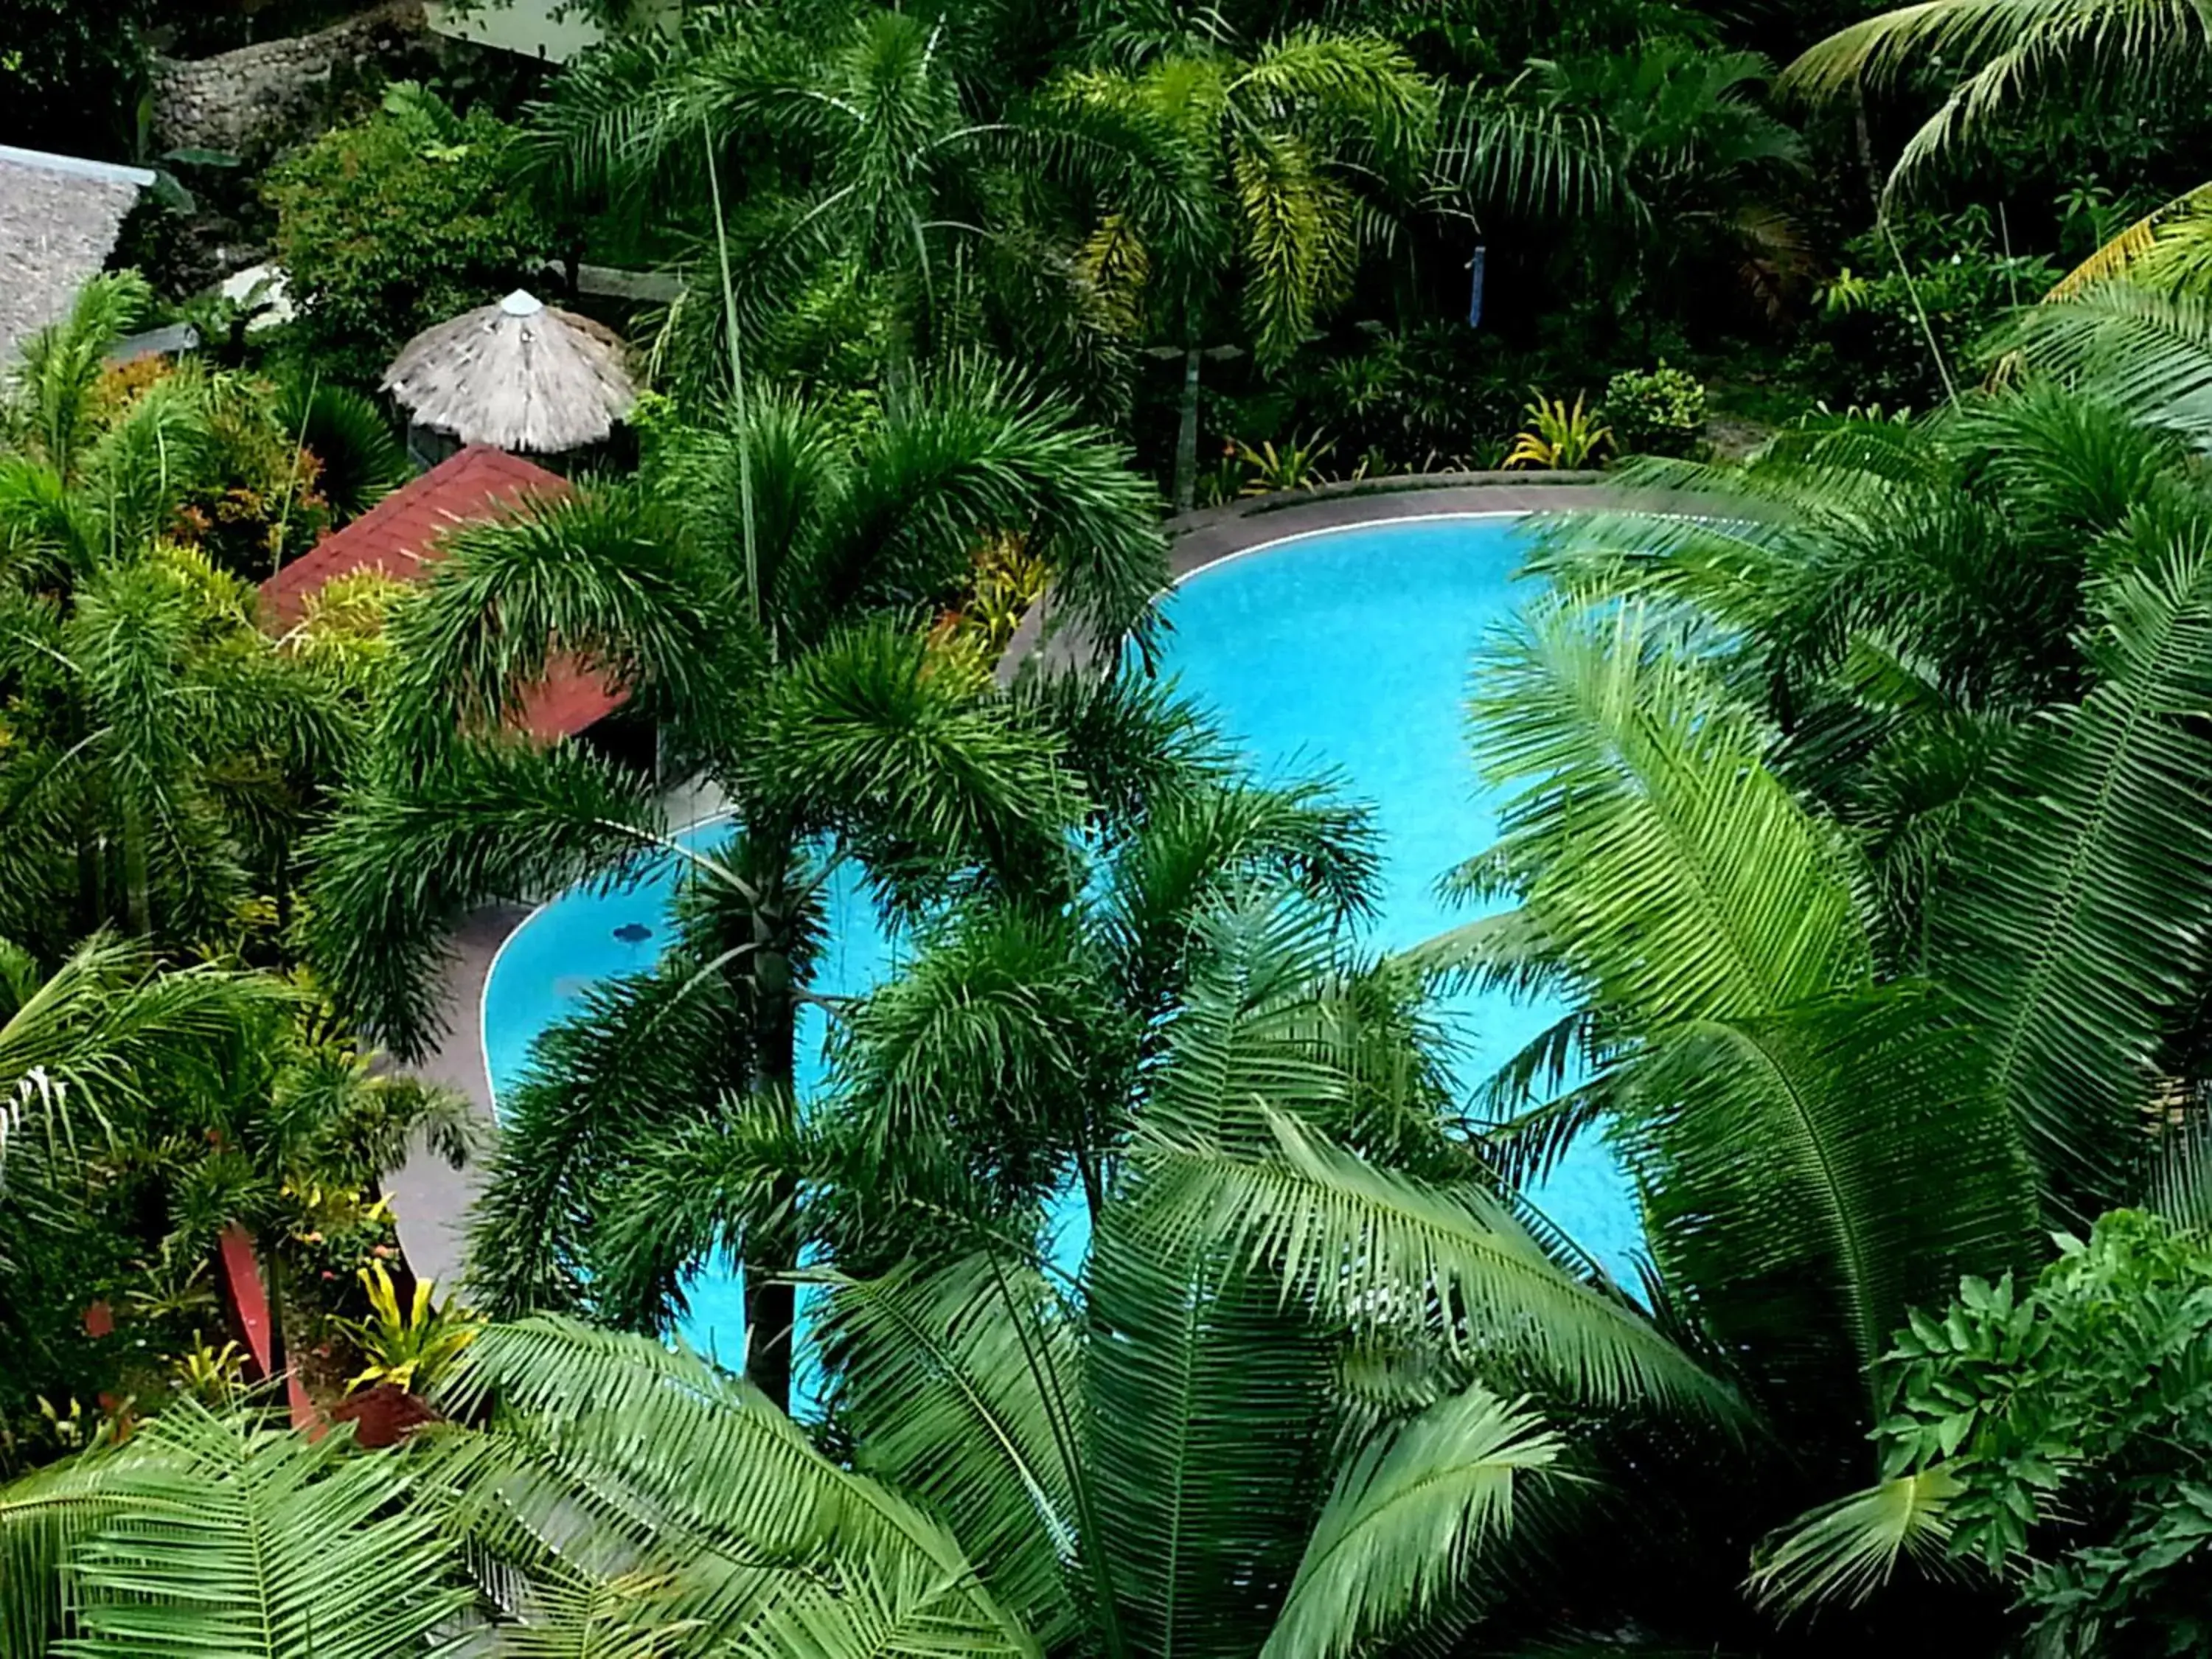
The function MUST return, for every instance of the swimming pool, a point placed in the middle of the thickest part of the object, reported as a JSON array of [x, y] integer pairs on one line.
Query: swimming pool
[[1346, 651]]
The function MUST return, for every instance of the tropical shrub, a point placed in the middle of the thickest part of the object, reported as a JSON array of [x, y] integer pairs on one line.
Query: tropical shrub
[[1296, 465], [2056, 1435], [408, 1347], [1882, 335], [1659, 411], [1559, 438], [397, 222]]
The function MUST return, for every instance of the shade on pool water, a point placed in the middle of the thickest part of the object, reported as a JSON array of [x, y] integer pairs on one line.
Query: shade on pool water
[[1346, 653]]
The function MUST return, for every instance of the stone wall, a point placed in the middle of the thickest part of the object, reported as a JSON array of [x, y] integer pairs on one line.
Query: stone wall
[[261, 97]]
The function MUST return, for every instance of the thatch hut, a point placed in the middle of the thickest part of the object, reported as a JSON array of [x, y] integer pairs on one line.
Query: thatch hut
[[518, 375]]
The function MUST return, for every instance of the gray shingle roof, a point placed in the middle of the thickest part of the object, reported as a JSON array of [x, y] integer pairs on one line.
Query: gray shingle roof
[[58, 219]]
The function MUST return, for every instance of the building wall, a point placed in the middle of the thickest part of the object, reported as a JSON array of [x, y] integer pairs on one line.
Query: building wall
[[273, 92]]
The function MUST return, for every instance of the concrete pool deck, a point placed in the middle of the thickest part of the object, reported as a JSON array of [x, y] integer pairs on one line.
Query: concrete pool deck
[[430, 1199]]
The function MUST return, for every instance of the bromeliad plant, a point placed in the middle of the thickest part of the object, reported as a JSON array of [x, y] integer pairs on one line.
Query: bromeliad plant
[[1559, 439], [408, 1347]]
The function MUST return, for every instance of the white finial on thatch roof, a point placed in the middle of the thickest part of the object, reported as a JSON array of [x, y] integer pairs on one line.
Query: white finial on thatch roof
[[519, 375]]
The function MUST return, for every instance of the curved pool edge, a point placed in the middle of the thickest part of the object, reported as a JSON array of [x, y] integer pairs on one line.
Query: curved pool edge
[[429, 1199], [1211, 535]]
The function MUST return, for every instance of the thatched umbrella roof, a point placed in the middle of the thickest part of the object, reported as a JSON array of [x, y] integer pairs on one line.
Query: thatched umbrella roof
[[519, 375]]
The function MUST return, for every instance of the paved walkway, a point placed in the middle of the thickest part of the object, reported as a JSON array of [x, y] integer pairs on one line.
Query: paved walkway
[[430, 1199]]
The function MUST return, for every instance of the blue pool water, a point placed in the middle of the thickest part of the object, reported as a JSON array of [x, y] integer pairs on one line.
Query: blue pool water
[[1347, 652]]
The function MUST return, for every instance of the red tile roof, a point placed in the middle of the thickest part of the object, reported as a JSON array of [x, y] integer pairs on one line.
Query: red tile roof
[[399, 535]]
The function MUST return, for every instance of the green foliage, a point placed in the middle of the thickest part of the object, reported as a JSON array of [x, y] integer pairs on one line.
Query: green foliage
[[2059, 1429], [1559, 438], [396, 223], [65, 67], [682, 1503], [1870, 343], [1659, 412], [408, 1347], [1185, 1428], [1660, 151], [1998, 55], [217, 1532], [1295, 465]]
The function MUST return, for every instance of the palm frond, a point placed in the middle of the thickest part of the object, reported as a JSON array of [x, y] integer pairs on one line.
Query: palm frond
[[2128, 245], [640, 1055], [359, 460], [1412, 1518], [1203, 1396], [1847, 1550], [2063, 933], [600, 576], [2144, 351], [406, 856], [220, 1535], [1666, 866], [959, 1387], [2005, 50], [2180, 1184], [926, 777], [970, 456], [1812, 1176], [663, 1457], [1374, 1249]]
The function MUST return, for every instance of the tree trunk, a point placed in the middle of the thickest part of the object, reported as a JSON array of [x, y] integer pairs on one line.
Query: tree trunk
[[138, 884], [1186, 461], [1864, 137], [772, 1308]]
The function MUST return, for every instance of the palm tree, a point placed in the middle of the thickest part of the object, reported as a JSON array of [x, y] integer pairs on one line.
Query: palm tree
[[831, 187], [1662, 153], [164, 753], [1002, 1057], [1224, 175], [623, 1500], [78, 482], [1298, 1404], [755, 596], [1999, 51], [1302, 1393], [1851, 826]]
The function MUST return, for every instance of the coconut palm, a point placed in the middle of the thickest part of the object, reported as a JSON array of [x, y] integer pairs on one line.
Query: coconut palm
[[1998, 51], [756, 596], [1227, 180]]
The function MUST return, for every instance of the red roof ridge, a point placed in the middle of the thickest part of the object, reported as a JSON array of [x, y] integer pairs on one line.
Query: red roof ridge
[[400, 534]]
